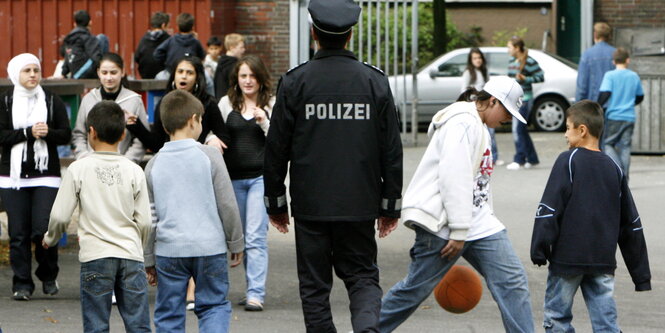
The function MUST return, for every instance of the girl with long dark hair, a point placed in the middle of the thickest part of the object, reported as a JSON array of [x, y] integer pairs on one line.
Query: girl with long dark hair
[[246, 110]]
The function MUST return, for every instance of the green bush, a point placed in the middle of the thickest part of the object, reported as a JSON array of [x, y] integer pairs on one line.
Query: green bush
[[455, 38]]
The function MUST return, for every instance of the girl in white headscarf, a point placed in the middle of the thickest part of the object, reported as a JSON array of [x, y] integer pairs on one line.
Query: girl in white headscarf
[[33, 122]]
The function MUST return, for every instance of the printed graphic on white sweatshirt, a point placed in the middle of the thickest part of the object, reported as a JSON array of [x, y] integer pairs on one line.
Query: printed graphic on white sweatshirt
[[109, 175], [481, 190]]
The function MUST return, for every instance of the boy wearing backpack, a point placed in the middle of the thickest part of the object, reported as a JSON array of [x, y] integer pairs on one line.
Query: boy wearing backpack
[[82, 50]]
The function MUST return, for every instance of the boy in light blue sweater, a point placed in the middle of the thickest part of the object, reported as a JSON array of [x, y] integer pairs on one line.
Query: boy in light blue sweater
[[195, 222]]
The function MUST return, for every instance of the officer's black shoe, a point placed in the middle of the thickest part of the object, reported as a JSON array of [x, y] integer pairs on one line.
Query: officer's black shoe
[[50, 287], [22, 295]]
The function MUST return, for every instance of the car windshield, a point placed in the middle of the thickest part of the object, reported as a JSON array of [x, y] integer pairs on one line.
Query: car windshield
[[563, 60]]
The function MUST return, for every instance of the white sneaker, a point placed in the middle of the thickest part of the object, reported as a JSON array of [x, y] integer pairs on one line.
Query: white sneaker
[[514, 166], [113, 301], [190, 306], [499, 162], [528, 165]]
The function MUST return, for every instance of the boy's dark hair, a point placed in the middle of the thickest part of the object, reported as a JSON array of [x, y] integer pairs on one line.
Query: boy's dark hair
[[108, 120], [331, 41], [158, 19], [587, 113], [177, 107], [620, 56], [82, 18], [214, 40], [185, 22]]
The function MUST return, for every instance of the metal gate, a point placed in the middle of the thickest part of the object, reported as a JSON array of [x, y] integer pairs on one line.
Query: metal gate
[[386, 36], [381, 38]]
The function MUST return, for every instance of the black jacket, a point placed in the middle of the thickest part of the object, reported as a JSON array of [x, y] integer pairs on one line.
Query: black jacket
[[81, 46], [225, 65], [176, 47], [335, 121], [154, 139], [586, 209], [59, 133], [148, 66]]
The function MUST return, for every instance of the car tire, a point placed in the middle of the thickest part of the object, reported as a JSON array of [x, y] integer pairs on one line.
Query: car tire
[[549, 114]]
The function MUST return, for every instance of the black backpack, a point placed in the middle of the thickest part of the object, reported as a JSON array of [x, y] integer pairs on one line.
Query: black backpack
[[82, 56]]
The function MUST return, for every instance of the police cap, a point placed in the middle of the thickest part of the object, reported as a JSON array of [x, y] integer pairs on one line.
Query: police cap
[[334, 16]]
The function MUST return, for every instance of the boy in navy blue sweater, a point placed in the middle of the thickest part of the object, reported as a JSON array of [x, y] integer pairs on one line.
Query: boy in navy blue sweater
[[586, 207]]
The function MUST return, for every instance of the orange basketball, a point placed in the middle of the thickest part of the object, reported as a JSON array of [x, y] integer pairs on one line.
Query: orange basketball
[[460, 290]]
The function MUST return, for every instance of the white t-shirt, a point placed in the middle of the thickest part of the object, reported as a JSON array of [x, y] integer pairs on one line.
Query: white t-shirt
[[466, 81], [483, 221]]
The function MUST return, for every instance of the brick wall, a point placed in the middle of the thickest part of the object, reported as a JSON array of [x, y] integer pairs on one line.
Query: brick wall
[[630, 13], [265, 25]]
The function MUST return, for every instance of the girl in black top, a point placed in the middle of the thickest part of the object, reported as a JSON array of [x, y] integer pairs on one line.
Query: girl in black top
[[246, 111], [188, 75], [33, 122]]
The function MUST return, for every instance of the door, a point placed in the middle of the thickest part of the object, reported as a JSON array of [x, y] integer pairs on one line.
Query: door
[[568, 29]]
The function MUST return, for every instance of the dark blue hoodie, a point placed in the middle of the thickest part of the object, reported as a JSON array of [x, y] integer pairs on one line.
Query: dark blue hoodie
[[177, 47]]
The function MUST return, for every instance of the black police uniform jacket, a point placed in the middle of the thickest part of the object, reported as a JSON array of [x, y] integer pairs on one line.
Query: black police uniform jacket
[[335, 121]]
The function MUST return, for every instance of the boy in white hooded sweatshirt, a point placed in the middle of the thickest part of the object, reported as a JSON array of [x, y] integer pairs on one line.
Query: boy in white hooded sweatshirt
[[448, 205]]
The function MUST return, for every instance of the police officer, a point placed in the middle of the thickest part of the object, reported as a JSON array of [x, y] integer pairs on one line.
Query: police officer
[[335, 121]]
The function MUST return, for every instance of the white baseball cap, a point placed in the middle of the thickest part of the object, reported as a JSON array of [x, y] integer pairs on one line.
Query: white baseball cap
[[508, 92]]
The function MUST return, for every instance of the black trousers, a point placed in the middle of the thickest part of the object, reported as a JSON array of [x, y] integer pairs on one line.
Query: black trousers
[[350, 248], [28, 211]]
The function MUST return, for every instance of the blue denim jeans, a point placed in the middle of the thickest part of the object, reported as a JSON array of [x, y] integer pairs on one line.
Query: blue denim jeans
[[598, 293], [99, 278], [493, 257], [249, 194], [212, 308], [525, 151], [617, 139]]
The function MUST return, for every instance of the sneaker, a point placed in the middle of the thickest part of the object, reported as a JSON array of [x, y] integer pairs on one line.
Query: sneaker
[[499, 162], [190, 306], [243, 301], [514, 166], [253, 305], [113, 300], [22, 295], [50, 287], [528, 165]]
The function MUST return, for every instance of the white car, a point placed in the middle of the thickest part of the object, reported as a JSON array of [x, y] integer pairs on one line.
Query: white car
[[440, 83]]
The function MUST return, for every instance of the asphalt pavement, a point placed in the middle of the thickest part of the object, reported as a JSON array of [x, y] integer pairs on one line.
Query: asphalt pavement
[[516, 196]]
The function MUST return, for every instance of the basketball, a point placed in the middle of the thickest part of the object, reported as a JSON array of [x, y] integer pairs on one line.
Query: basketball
[[460, 290]]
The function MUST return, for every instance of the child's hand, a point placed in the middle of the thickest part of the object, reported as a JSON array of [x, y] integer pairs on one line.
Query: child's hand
[[130, 119], [44, 245], [151, 274], [217, 143], [452, 249], [236, 259], [520, 77]]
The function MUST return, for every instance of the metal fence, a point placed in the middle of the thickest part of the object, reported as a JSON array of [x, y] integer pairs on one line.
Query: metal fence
[[386, 36], [649, 134]]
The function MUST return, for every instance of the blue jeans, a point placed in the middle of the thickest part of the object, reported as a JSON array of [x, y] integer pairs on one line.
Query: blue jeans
[[617, 139], [249, 194], [525, 151], [212, 286], [598, 293], [99, 278], [493, 257]]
